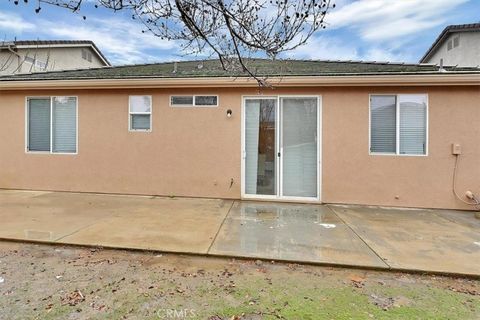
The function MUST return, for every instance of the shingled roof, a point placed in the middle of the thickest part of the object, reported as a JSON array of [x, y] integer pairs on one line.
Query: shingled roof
[[261, 67], [471, 27], [50, 42]]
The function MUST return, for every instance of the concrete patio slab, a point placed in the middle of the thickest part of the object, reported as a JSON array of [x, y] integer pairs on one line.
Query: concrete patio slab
[[415, 239], [464, 218], [444, 241], [49, 216], [294, 232], [122, 221], [176, 225]]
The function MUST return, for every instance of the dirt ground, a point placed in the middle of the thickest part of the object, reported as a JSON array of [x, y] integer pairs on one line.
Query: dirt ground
[[53, 282]]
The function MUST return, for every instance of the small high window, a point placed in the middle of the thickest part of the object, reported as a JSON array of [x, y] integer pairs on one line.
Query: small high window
[[181, 100], [194, 101], [140, 113]]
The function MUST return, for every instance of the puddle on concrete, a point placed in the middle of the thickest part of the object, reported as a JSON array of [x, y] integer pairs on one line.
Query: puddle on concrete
[[327, 225], [267, 214], [291, 232]]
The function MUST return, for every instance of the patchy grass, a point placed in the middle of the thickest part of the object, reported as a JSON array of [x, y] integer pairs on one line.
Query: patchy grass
[[124, 285]]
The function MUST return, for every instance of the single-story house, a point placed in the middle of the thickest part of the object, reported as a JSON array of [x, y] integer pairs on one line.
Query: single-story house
[[324, 132]]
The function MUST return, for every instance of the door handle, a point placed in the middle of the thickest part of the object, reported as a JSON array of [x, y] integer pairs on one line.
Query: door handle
[[278, 154]]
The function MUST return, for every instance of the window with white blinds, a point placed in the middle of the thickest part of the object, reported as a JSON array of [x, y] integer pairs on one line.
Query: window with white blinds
[[52, 124], [39, 124], [383, 131], [140, 113], [64, 124], [398, 124]]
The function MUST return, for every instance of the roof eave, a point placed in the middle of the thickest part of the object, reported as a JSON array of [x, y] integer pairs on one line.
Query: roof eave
[[434, 46], [297, 81]]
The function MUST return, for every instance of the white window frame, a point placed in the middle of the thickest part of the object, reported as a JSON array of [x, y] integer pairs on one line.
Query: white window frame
[[194, 101], [27, 122], [397, 126], [130, 113]]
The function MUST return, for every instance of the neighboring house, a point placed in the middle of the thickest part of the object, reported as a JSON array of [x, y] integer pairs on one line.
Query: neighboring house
[[456, 45], [49, 55], [333, 132]]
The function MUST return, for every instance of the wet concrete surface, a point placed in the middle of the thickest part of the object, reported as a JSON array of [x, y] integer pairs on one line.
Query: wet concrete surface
[[176, 225], [156, 223], [308, 233], [429, 240], [421, 240]]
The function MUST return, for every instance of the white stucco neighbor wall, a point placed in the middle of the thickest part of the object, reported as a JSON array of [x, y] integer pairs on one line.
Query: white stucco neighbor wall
[[466, 54], [57, 58]]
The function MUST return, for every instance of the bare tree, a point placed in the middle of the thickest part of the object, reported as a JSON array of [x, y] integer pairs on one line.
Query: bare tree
[[231, 30]]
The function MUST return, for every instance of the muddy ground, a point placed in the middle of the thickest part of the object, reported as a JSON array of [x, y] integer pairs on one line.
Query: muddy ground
[[54, 282]]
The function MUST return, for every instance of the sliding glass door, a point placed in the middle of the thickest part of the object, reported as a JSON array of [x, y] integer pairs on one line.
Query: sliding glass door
[[260, 147], [280, 154]]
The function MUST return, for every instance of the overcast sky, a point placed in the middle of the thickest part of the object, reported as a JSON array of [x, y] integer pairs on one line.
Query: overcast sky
[[374, 30]]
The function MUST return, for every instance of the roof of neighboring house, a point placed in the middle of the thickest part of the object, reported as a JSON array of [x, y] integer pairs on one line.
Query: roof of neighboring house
[[55, 43], [472, 27], [261, 67]]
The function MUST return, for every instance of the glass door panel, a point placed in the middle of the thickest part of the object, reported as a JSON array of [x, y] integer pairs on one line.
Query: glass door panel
[[299, 143], [260, 146]]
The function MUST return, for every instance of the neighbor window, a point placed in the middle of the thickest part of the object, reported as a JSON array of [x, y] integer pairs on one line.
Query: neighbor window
[[140, 113], [194, 101], [86, 55], [38, 63], [456, 41], [398, 124], [29, 59], [52, 124]]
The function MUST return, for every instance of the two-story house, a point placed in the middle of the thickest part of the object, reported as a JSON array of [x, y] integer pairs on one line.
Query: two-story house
[[49, 55], [456, 45]]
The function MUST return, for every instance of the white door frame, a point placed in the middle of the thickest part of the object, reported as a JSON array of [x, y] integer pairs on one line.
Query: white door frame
[[278, 165]]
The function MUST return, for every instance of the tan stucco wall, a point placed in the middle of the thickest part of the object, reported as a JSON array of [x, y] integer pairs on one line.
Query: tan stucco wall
[[197, 151]]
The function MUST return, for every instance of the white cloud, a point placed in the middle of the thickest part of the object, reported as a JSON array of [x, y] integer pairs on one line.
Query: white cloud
[[384, 55], [14, 22], [122, 41], [328, 48], [325, 48], [390, 19]]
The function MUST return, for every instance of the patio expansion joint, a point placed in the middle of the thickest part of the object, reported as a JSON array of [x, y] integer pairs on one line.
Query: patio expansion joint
[[82, 228], [220, 227], [369, 247]]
